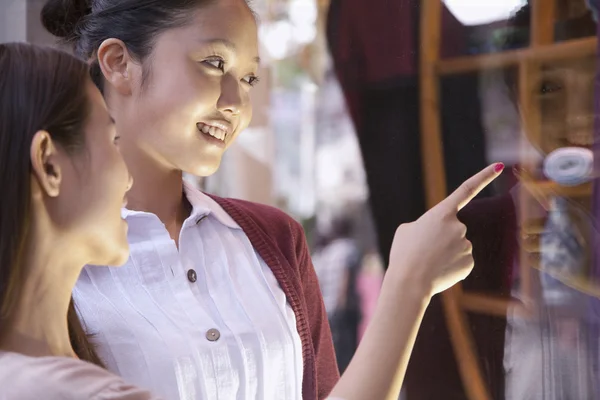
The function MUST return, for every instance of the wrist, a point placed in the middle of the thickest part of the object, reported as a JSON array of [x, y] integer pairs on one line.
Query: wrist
[[410, 281]]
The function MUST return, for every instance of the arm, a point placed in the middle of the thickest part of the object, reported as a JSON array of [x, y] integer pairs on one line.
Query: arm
[[382, 357], [427, 257]]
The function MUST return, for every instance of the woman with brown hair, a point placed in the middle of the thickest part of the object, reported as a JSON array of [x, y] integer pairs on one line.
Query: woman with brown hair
[[64, 183]]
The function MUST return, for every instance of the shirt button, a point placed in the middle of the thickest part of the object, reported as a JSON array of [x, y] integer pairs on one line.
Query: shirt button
[[213, 335], [201, 219], [192, 275]]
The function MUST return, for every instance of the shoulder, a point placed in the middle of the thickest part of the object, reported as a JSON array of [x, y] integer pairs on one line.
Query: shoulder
[[271, 231], [270, 219], [61, 378]]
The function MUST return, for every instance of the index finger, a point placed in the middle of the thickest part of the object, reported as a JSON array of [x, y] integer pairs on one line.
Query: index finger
[[472, 186]]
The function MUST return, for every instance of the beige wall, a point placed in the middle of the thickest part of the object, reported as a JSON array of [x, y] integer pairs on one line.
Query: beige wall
[[20, 22], [35, 31], [13, 20]]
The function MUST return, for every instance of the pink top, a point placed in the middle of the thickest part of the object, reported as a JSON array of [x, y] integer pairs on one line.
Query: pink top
[[368, 286], [61, 378]]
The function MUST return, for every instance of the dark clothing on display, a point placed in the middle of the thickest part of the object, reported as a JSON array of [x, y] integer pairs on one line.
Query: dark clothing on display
[[375, 50]]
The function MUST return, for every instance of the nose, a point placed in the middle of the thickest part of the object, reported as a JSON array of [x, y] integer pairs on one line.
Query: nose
[[231, 99]]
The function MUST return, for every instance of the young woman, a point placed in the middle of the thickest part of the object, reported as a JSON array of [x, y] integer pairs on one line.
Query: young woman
[[219, 298], [64, 183]]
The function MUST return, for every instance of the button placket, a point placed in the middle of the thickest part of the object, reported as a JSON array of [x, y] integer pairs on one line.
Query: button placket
[[191, 273]]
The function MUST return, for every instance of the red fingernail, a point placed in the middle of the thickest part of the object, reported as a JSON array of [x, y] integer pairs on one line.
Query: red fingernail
[[499, 167]]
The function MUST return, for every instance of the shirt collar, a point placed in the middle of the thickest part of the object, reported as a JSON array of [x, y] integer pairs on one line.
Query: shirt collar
[[202, 206]]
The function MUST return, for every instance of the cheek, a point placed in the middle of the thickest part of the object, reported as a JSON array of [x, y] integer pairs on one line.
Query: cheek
[[175, 105], [553, 114], [111, 177], [247, 114]]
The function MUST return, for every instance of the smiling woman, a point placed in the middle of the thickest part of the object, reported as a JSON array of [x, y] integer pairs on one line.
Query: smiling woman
[[221, 289]]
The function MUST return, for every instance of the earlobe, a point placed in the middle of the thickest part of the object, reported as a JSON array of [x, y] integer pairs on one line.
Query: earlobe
[[44, 163], [115, 63]]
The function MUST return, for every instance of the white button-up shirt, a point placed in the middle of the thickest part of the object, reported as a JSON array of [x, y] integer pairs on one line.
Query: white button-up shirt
[[207, 321]]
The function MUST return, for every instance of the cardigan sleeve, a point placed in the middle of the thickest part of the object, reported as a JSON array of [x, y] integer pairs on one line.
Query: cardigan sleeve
[[326, 364]]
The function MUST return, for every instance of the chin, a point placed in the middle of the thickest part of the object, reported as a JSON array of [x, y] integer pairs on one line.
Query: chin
[[119, 256], [204, 169], [113, 253]]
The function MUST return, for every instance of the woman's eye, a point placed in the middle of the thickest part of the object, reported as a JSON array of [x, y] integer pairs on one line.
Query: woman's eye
[[217, 63], [548, 87], [252, 80]]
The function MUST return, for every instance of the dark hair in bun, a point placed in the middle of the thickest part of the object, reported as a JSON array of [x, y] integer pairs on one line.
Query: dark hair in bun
[[85, 24], [60, 17]]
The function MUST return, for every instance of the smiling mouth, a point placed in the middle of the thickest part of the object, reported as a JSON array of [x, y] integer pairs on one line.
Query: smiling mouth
[[214, 131]]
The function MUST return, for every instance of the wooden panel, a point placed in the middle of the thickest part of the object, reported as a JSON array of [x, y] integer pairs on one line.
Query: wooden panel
[[580, 283], [578, 48], [542, 22], [435, 188], [486, 304], [530, 119], [547, 189], [542, 38], [464, 345], [431, 135]]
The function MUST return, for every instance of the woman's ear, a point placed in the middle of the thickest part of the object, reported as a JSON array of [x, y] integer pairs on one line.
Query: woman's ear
[[45, 163], [117, 65]]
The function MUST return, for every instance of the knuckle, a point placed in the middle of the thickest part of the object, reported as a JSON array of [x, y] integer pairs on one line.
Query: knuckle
[[403, 228], [469, 246], [463, 229], [448, 216]]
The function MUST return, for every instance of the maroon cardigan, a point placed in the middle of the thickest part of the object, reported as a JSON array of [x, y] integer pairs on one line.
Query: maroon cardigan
[[281, 243]]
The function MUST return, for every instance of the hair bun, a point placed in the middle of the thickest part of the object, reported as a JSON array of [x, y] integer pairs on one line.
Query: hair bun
[[60, 17]]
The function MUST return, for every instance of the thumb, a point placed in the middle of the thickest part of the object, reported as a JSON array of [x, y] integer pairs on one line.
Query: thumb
[[472, 186]]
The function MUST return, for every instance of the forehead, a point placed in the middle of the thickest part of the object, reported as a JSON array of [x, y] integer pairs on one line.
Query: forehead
[[584, 66], [224, 20]]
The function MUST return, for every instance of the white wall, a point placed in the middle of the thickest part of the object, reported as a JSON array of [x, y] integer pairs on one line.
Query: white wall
[[13, 20], [20, 22]]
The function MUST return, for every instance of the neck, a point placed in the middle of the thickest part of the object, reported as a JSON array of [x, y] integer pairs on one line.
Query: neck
[[38, 325], [156, 189]]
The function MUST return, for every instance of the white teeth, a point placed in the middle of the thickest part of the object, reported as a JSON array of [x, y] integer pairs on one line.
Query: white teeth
[[215, 132]]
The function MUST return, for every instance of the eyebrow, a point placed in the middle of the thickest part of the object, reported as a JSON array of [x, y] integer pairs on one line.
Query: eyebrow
[[229, 45]]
